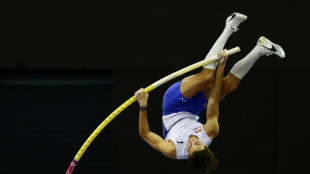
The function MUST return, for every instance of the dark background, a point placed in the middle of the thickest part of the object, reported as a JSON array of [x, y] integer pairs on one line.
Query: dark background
[[66, 65]]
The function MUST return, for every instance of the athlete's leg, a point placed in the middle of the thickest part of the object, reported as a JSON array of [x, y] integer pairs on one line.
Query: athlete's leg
[[230, 83], [232, 23], [241, 68], [193, 84]]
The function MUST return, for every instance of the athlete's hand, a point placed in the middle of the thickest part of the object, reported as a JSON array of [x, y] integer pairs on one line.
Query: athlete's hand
[[222, 62], [142, 97]]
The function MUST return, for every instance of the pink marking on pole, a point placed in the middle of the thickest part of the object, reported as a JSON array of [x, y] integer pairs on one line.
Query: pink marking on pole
[[71, 167]]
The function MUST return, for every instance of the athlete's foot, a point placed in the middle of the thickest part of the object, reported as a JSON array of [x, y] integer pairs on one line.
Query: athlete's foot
[[269, 48], [234, 21]]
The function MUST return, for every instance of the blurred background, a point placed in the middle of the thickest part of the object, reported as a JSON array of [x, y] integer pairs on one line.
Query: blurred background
[[66, 65]]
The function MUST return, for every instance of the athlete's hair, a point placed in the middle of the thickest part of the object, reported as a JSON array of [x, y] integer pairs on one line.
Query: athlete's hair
[[203, 161]]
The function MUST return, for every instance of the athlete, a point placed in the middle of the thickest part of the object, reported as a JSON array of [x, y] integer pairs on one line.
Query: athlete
[[184, 137]]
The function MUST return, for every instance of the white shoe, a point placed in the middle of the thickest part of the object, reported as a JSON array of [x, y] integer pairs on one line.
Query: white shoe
[[269, 48], [234, 20]]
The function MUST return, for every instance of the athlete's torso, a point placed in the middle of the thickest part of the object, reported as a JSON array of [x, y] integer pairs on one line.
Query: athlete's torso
[[179, 127]]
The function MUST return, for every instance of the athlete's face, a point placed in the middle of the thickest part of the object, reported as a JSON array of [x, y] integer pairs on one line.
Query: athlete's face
[[194, 144]]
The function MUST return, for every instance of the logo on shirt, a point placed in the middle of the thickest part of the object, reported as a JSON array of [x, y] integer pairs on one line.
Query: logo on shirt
[[197, 129], [182, 99]]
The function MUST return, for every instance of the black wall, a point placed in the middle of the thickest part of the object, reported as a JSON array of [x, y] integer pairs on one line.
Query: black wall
[[66, 65]]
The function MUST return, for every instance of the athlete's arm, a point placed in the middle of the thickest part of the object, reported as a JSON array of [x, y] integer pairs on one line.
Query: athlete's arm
[[212, 127], [154, 140]]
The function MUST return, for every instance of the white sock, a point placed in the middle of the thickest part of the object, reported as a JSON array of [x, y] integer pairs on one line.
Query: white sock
[[218, 46], [241, 68]]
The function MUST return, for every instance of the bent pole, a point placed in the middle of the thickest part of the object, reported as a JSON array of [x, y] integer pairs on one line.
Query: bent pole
[[133, 99]]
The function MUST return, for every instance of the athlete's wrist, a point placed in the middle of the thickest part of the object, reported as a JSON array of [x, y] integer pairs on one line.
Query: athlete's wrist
[[143, 108]]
